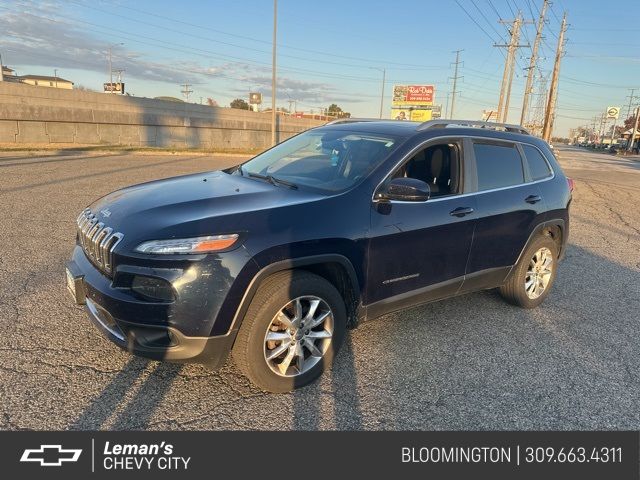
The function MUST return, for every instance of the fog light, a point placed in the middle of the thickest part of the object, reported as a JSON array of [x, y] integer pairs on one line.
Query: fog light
[[153, 288]]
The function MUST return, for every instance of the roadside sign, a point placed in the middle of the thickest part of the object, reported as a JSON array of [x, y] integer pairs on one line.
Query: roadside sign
[[613, 112], [115, 87], [412, 95], [255, 98], [490, 115]]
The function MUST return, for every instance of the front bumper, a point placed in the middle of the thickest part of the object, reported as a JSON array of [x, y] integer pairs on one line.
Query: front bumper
[[160, 331], [161, 343]]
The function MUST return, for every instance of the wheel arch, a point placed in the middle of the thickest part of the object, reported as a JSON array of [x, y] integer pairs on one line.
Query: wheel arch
[[554, 228], [335, 268]]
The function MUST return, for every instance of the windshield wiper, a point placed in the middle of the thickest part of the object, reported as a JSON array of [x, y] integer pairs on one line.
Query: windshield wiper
[[273, 180]]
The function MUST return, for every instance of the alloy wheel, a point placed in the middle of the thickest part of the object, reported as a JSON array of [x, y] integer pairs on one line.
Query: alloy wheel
[[538, 273], [298, 336]]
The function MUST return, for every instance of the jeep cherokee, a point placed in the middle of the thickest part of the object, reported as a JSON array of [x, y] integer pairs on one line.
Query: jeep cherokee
[[273, 259]]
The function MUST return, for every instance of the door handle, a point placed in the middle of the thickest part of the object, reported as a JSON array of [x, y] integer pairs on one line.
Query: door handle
[[461, 211], [533, 199]]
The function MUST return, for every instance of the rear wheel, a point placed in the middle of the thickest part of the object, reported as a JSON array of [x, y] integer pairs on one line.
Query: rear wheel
[[533, 276], [291, 332]]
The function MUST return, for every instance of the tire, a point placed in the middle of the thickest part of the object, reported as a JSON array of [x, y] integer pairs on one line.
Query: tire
[[275, 304], [518, 290]]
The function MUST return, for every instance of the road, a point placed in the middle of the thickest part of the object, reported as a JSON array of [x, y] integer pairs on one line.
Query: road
[[471, 362]]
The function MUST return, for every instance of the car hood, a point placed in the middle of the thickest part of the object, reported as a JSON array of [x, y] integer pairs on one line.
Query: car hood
[[199, 204]]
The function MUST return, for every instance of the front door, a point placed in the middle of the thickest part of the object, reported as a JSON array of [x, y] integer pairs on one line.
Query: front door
[[418, 250]]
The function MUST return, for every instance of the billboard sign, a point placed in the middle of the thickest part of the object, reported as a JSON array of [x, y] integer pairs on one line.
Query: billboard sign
[[115, 87], [414, 95], [613, 112], [255, 98], [416, 114]]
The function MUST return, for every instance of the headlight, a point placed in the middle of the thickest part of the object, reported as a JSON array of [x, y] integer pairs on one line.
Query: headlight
[[208, 244]]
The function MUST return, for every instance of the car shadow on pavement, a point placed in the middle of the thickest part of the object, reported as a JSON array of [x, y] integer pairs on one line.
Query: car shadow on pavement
[[341, 385], [138, 410]]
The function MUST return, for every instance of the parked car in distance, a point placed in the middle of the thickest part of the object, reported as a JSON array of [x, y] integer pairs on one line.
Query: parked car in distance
[[272, 260]]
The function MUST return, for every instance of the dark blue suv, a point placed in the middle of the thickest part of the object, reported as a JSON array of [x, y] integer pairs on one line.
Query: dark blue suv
[[273, 259]]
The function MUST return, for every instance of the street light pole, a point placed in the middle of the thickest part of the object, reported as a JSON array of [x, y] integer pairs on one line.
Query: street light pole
[[273, 74]]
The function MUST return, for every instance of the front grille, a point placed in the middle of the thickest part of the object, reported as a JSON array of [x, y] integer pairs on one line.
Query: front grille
[[97, 240]]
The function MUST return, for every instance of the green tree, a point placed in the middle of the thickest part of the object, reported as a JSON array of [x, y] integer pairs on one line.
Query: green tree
[[335, 111], [240, 104]]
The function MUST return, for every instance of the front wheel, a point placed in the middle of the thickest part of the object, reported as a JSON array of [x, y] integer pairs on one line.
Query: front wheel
[[533, 276], [291, 332]]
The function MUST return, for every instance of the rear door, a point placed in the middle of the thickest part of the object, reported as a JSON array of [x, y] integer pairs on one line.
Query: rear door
[[509, 206]]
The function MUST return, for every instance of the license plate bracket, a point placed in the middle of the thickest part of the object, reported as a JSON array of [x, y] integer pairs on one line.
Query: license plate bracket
[[75, 283]]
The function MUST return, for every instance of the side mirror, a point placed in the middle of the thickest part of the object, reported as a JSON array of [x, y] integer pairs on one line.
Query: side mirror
[[406, 189]]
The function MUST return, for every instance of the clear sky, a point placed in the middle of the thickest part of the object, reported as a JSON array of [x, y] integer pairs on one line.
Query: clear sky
[[330, 51]]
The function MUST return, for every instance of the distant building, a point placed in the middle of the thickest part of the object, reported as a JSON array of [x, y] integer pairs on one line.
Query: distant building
[[9, 74], [44, 81]]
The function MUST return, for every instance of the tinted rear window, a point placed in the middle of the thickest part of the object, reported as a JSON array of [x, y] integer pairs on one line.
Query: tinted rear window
[[538, 166], [498, 165]]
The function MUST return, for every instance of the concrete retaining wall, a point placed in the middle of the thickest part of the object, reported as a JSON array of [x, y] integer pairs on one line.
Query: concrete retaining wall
[[31, 114]]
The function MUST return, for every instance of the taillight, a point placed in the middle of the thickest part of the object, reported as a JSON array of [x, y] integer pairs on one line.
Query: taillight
[[571, 184]]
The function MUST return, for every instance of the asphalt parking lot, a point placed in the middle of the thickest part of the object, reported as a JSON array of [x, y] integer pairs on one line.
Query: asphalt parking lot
[[471, 362]]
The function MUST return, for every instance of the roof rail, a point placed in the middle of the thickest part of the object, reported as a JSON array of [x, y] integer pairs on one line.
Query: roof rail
[[473, 123], [352, 120]]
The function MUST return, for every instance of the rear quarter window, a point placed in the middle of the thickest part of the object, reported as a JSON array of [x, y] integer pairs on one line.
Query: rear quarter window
[[498, 165], [538, 165]]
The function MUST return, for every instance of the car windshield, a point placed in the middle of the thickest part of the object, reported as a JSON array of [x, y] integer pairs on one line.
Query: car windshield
[[328, 160]]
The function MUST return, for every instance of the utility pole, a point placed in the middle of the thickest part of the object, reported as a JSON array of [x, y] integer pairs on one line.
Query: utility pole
[[446, 108], [455, 82], [603, 121], [186, 90], [384, 78], [631, 98], [553, 91], [55, 76], [509, 66], [111, 66], [273, 73], [384, 75], [593, 128], [1, 69], [633, 132], [532, 64]]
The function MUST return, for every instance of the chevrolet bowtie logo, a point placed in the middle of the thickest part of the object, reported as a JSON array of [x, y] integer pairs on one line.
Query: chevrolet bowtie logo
[[50, 455]]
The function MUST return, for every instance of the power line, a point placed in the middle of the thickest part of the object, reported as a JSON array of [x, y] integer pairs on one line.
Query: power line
[[201, 52], [486, 19], [372, 61], [494, 8], [474, 21]]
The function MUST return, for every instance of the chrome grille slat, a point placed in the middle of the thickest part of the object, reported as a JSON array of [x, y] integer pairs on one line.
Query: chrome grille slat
[[97, 240]]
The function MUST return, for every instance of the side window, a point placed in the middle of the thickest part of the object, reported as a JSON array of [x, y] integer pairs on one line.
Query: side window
[[538, 166], [438, 165], [498, 165]]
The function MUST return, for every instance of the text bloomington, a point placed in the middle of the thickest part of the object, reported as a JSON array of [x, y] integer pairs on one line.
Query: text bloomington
[[456, 454]]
